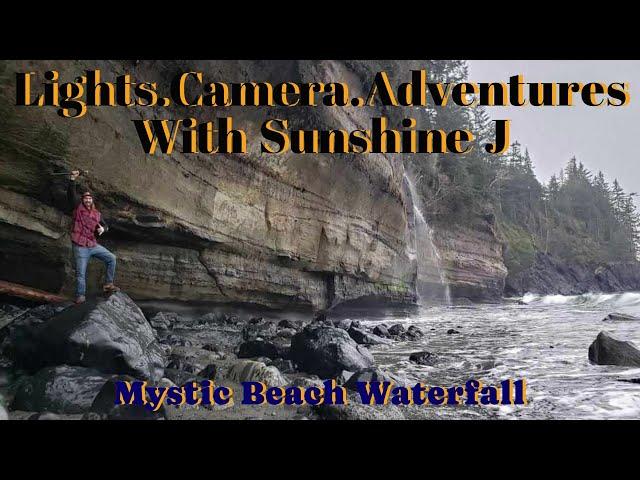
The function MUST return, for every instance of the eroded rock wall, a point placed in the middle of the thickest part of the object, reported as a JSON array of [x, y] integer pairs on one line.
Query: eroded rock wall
[[472, 259], [550, 275], [298, 230]]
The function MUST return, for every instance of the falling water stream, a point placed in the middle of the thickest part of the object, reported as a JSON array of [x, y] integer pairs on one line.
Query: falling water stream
[[432, 283]]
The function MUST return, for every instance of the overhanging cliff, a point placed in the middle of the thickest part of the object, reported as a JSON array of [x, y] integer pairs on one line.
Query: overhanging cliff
[[280, 231]]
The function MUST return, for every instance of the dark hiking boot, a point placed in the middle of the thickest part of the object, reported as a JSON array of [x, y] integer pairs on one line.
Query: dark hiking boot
[[110, 288]]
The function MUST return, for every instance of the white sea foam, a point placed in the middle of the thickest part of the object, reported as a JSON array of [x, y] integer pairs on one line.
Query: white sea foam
[[588, 299], [546, 343]]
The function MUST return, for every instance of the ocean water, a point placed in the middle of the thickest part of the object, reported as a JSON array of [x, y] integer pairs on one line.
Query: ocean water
[[543, 339]]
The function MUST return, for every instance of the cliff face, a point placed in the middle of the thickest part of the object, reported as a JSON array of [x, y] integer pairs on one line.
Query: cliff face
[[472, 259], [281, 231], [305, 230], [548, 275]]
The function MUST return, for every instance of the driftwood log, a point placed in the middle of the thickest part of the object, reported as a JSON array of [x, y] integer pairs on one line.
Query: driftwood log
[[29, 293]]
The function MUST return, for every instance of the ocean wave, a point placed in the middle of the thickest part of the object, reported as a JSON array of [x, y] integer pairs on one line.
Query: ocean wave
[[625, 299]]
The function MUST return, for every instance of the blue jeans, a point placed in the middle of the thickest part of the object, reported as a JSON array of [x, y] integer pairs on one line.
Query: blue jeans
[[82, 256]]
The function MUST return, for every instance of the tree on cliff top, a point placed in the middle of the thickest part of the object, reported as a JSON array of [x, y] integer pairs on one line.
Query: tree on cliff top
[[576, 216]]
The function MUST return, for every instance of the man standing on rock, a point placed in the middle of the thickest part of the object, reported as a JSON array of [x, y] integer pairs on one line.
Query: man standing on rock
[[87, 222]]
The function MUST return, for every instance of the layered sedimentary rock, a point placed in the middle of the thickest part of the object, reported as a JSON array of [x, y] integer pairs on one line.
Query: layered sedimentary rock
[[471, 258], [549, 275], [297, 230]]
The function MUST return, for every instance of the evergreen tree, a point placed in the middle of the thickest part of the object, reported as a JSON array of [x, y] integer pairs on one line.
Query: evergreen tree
[[576, 216], [571, 169], [601, 185], [528, 164], [553, 188], [617, 199]]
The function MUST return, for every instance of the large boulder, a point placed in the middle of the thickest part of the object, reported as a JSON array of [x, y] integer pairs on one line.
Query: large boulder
[[327, 351], [111, 335], [381, 331], [343, 323], [374, 374], [104, 404], [250, 371], [607, 350], [414, 332], [362, 337], [423, 358], [61, 389], [620, 317], [396, 329], [259, 348]]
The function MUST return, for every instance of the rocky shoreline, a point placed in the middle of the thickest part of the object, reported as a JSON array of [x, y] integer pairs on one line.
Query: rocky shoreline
[[60, 361], [549, 276]]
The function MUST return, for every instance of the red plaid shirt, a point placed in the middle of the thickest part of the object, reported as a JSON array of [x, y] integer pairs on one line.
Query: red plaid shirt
[[85, 222]]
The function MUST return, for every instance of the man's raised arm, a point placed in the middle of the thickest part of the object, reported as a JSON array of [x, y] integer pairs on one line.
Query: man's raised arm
[[73, 196]]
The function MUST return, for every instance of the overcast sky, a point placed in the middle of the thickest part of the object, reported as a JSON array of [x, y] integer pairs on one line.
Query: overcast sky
[[605, 138]]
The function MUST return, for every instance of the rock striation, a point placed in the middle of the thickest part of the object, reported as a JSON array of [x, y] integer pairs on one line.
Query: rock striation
[[548, 275], [285, 231]]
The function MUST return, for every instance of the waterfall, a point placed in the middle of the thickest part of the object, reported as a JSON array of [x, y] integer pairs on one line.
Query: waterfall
[[431, 283]]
